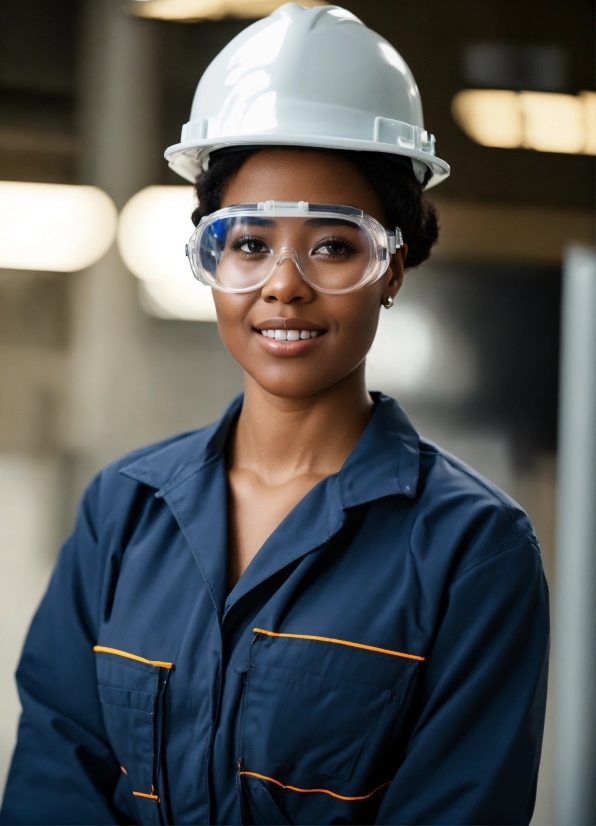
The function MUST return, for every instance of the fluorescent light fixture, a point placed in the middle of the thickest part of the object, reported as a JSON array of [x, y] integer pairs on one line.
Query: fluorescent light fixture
[[154, 227], [543, 121], [553, 123], [190, 10], [490, 117], [54, 227]]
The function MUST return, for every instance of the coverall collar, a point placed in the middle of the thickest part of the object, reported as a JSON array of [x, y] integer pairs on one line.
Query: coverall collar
[[190, 475], [384, 461]]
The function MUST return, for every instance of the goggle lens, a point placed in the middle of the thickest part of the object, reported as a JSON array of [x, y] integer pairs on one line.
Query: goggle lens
[[240, 252]]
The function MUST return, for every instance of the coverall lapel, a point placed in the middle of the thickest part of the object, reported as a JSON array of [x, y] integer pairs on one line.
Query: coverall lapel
[[199, 505], [308, 526], [191, 477]]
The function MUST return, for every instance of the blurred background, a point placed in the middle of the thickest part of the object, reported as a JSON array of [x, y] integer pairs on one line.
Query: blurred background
[[108, 344]]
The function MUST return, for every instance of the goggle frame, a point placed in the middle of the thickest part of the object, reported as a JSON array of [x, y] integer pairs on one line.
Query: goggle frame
[[383, 242]]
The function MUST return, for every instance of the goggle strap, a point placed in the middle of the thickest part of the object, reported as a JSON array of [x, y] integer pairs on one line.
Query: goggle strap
[[395, 240]]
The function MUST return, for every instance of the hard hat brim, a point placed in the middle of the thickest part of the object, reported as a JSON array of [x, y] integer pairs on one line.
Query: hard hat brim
[[190, 158]]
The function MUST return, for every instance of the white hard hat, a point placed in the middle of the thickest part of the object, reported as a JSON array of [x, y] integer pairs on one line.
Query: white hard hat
[[308, 77]]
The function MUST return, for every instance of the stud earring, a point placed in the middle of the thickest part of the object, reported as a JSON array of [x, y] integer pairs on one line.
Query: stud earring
[[389, 303]]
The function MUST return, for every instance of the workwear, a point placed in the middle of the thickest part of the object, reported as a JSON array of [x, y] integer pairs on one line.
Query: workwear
[[382, 659], [336, 249], [308, 77]]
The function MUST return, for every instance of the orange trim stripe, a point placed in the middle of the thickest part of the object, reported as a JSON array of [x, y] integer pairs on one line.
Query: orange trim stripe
[[148, 796], [310, 791], [123, 770], [340, 642], [101, 649]]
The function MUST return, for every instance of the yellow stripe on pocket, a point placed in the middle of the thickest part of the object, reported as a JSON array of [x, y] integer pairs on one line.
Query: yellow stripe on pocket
[[339, 642], [102, 649]]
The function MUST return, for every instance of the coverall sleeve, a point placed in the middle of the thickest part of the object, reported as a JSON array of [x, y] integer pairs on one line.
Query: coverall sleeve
[[63, 770], [473, 755]]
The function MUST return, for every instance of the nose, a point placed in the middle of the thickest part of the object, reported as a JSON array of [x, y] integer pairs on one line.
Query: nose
[[287, 285]]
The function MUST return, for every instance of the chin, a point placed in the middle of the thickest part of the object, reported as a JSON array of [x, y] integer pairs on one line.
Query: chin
[[291, 386], [302, 383]]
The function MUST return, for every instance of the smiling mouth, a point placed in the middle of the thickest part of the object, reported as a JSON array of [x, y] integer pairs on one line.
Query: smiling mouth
[[291, 335]]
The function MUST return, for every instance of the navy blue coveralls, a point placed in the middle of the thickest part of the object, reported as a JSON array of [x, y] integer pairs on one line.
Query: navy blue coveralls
[[383, 659]]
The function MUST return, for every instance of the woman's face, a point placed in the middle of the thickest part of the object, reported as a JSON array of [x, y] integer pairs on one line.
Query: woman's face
[[345, 324]]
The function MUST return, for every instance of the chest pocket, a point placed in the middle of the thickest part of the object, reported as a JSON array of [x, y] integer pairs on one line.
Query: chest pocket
[[313, 703], [131, 690]]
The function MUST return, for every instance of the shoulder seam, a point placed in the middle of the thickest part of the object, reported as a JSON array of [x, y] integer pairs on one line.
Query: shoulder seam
[[496, 550], [474, 478]]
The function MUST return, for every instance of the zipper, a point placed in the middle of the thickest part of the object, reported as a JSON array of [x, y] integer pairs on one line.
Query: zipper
[[243, 669], [158, 739], [217, 704]]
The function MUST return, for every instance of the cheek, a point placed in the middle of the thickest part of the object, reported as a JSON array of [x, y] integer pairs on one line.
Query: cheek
[[232, 311], [357, 317]]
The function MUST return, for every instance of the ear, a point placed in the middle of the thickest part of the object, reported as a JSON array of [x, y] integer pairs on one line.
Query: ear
[[394, 277]]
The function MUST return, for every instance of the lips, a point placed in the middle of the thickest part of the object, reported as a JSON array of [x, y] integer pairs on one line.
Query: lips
[[288, 336]]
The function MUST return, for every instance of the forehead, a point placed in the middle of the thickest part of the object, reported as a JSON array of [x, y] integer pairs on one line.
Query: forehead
[[302, 175]]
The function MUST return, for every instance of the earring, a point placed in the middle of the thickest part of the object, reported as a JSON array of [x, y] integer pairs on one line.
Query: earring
[[389, 303]]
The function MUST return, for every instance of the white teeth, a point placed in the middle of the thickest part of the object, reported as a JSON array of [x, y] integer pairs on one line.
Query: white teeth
[[290, 335]]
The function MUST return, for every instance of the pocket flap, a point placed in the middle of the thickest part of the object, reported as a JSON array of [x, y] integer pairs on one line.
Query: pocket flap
[[122, 670], [333, 659]]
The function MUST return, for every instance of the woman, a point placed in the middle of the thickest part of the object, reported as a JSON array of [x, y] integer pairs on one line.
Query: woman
[[303, 613]]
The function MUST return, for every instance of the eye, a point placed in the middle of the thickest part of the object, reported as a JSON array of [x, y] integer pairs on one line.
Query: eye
[[249, 245], [334, 248]]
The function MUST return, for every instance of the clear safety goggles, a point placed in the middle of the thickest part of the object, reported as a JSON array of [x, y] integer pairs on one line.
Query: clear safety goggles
[[336, 249]]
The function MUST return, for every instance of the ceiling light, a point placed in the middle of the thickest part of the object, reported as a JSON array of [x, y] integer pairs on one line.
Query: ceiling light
[[193, 10], [553, 123], [153, 230], [54, 227], [490, 117], [542, 121]]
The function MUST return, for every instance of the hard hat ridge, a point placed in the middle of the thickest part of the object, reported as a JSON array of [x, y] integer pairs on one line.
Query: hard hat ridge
[[314, 77], [316, 15]]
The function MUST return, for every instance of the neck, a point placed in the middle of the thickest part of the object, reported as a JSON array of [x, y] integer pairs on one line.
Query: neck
[[278, 438]]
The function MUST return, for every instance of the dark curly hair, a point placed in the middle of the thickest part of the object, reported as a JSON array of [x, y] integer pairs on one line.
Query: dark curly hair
[[401, 195]]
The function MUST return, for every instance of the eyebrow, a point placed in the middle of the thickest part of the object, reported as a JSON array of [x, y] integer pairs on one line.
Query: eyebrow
[[253, 221], [330, 222], [310, 222]]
